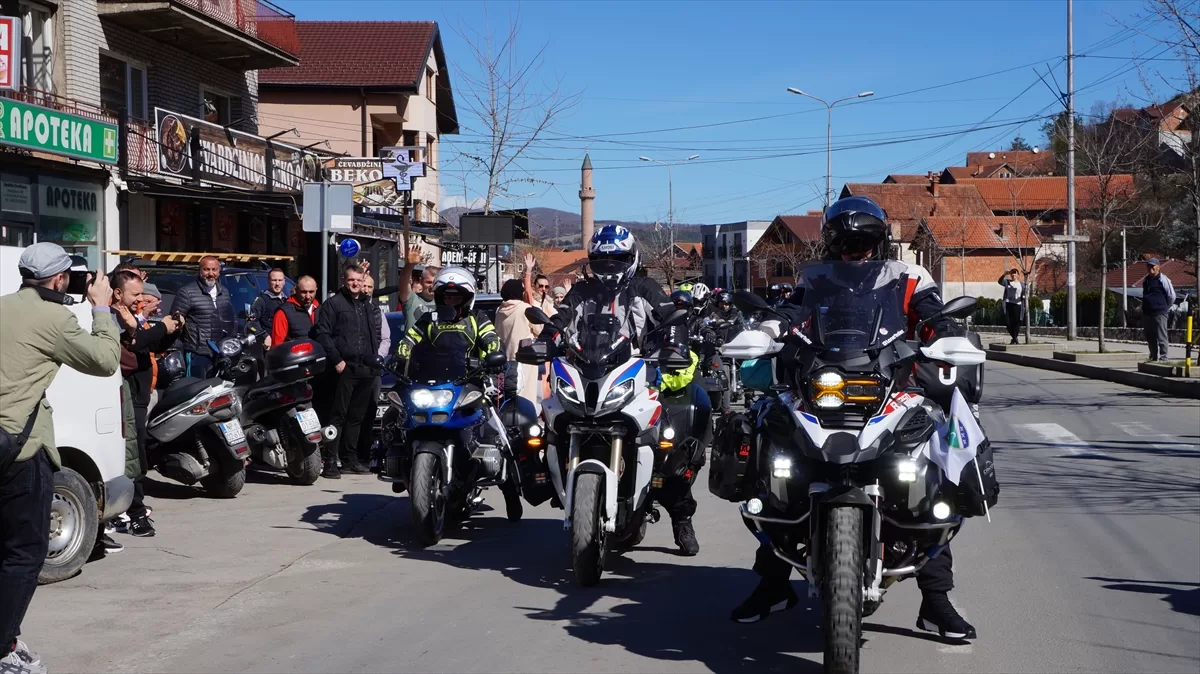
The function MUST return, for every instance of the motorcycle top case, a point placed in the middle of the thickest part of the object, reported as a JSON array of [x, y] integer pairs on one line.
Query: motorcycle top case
[[731, 475], [295, 360]]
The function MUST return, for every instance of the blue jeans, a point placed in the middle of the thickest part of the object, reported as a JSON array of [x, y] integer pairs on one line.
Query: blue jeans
[[198, 365], [25, 492]]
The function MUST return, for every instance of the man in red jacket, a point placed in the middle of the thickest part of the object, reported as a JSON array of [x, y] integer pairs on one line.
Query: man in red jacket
[[295, 319]]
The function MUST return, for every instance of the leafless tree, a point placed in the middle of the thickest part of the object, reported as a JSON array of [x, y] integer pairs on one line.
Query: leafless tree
[[1181, 21], [512, 102], [780, 249], [1109, 154]]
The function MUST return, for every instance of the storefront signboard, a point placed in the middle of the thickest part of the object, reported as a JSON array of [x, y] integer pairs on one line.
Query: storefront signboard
[[16, 195], [36, 128], [372, 191], [227, 157]]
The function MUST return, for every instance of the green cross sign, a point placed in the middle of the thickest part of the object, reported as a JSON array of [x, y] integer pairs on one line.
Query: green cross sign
[[34, 127]]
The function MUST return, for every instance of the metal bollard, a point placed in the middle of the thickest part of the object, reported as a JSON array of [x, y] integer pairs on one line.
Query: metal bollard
[[1187, 360]]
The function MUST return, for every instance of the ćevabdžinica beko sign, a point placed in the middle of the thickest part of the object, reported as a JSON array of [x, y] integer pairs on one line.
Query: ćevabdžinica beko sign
[[47, 130], [241, 164]]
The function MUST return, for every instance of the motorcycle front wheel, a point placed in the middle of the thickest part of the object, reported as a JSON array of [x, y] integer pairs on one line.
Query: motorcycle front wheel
[[427, 497], [842, 589], [587, 549]]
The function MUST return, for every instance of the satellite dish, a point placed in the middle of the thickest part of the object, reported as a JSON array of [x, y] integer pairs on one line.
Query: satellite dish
[[991, 155], [1035, 149]]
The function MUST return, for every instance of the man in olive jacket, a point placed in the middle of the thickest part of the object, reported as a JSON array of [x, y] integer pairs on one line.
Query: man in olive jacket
[[37, 336]]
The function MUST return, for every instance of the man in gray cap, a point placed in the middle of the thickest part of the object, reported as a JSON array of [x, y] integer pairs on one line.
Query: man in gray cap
[[37, 336], [1157, 297]]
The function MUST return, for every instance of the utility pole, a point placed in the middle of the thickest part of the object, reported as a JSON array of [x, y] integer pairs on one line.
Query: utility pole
[[1072, 324], [829, 134], [1124, 279], [670, 210]]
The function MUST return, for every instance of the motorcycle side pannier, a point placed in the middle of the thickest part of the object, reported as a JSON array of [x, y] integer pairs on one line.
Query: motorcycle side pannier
[[295, 360], [731, 475]]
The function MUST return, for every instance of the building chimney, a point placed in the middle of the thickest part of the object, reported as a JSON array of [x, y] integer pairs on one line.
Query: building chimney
[[587, 207], [934, 180]]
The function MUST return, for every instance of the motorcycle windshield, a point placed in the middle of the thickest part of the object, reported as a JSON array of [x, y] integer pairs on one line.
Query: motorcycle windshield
[[852, 307], [600, 346]]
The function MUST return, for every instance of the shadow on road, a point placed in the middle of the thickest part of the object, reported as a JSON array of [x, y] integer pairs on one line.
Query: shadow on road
[[170, 490], [664, 611], [1183, 597]]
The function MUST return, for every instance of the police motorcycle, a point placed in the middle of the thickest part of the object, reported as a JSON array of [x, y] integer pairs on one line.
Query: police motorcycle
[[277, 417], [602, 431], [454, 445], [855, 478], [193, 434]]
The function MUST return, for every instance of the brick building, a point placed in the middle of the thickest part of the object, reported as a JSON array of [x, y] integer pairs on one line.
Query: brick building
[[789, 242], [967, 255], [175, 83]]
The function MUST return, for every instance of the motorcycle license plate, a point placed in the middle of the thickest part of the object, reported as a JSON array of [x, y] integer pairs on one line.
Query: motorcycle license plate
[[309, 423], [380, 411], [233, 432]]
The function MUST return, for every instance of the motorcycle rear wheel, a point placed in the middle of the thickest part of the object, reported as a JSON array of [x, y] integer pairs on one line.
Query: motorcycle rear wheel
[[302, 470], [842, 590], [587, 549], [427, 499]]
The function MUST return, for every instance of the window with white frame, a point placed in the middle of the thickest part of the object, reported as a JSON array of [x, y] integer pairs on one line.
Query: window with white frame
[[37, 23], [123, 86]]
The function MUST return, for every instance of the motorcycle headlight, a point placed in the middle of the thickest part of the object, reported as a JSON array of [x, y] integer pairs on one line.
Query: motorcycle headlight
[[423, 398], [231, 347], [566, 391], [469, 399], [619, 395]]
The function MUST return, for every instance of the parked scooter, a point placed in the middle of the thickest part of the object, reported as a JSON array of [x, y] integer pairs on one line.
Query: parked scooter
[[281, 426], [193, 435]]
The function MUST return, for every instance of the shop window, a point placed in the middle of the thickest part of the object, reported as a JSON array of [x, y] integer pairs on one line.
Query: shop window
[[215, 108], [123, 86], [37, 22]]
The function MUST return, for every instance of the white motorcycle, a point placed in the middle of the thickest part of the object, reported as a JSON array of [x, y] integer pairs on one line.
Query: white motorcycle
[[858, 479], [602, 434]]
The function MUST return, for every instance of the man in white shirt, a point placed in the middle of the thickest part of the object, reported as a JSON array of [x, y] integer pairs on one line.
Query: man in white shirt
[[1014, 302]]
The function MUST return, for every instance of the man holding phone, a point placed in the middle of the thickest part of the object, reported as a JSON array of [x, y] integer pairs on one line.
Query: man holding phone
[[38, 335], [209, 312]]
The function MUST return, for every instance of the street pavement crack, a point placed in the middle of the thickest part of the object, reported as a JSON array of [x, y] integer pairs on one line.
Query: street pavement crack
[[177, 554], [340, 537]]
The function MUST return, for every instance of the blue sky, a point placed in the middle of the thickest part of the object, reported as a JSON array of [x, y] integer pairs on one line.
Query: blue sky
[[645, 69]]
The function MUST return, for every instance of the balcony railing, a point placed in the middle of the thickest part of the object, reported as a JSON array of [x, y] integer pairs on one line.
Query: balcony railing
[[56, 102], [141, 147], [257, 18]]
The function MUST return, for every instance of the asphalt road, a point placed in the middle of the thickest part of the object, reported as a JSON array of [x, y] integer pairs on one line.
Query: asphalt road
[[1091, 563]]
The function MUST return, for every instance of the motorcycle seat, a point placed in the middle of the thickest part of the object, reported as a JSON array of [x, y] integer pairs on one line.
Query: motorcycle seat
[[182, 390]]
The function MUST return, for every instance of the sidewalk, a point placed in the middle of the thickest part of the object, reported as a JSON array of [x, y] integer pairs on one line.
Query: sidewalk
[[1122, 363]]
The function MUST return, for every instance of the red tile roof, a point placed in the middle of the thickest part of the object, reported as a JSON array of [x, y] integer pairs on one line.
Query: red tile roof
[[558, 264], [358, 54], [1181, 273], [906, 205], [1026, 195], [980, 232], [906, 179], [803, 227], [1009, 156]]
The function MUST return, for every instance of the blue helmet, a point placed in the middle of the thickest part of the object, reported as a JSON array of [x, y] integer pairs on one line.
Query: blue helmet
[[855, 225], [613, 256]]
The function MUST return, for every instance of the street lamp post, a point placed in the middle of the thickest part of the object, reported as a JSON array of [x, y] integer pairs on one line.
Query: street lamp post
[[829, 135], [671, 205]]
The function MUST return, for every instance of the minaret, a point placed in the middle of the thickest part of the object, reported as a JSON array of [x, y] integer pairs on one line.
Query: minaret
[[587, 206]]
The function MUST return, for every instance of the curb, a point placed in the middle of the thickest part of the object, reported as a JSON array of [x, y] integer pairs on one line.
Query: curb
[[1174, 387]]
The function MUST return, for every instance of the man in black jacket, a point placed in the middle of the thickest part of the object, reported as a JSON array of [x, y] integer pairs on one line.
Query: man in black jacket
[[140, 339], [262, 311], [209, 313], [349, 329]]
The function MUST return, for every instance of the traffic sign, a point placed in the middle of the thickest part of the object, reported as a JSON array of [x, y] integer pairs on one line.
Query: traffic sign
[[348, 248], [1068, 238]]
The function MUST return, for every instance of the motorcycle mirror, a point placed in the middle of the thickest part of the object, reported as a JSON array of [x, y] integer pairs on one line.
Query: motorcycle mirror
[[495, 360], [960, 307], [748, 302], [537, 316]]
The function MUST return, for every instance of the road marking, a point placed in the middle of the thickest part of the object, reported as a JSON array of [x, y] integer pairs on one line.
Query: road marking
[[1145, 432], [1054, 434]]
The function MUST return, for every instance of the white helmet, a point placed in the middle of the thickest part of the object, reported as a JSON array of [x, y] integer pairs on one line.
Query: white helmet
[[700, 293], [455, 281]]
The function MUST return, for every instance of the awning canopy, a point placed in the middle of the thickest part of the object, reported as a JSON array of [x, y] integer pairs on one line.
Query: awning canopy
[[194, 258]]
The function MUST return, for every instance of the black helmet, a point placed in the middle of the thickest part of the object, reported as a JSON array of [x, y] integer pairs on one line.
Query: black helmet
[[786, 289], [724, 297], [775, 291], [855, 225], [682, 299]]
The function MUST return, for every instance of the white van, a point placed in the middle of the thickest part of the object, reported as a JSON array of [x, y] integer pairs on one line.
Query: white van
[[89, 429]]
